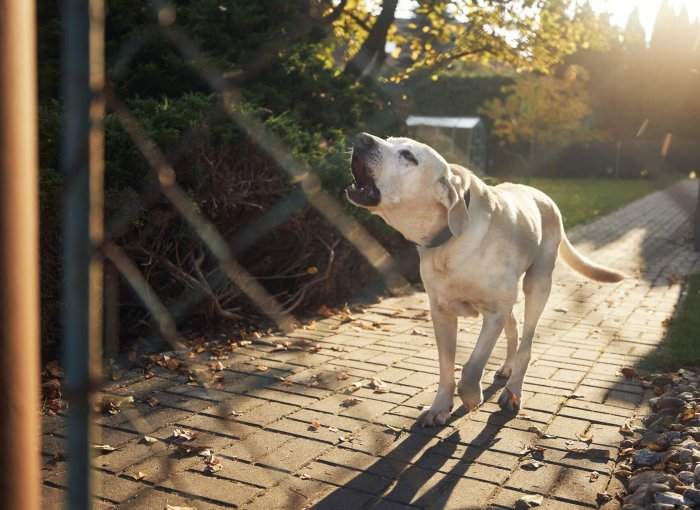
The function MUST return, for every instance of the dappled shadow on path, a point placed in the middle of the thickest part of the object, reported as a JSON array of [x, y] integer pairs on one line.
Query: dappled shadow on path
[[424, 466]]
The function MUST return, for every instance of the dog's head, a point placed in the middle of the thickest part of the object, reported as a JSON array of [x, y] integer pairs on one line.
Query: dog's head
[[400, 176]]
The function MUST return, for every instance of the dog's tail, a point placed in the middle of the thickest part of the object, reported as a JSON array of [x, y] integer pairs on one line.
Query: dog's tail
[[585, 266]]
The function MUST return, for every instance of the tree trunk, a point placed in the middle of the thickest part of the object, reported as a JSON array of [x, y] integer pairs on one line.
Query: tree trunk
[[366, 62]]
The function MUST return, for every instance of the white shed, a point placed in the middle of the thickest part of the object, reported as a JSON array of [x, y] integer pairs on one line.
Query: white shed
[[460, 140]]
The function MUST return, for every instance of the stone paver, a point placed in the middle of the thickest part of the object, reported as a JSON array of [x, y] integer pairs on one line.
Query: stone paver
[[287, 438]]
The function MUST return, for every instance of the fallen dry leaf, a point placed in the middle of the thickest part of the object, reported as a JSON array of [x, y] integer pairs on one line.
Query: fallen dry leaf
[[325, 311], [626, 452], [354, 387], [51, 389], [53, 369], [625, 429], [378, 385], [152, 401], [593, 476], [105, 448], [349, 402], [187, 449], [419, 332], [584, 438], [536, 451], [172, 364], [149, 439], [174, 507], [304, 476], [532, 465], [312, 381], [529, 501], [314, 425], [262, 368], [185, 434], [576, 395], [333, 429], [108, 406], [139, 475], [535, 429], [52, 406], [628, 372], [212, 464], [341, 376]]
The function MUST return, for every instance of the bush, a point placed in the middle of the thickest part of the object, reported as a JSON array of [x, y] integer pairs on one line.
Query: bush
[[252, 201], [297, 256]]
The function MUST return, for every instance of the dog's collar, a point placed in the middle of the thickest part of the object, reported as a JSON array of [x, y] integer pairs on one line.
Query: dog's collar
[[445, 234]]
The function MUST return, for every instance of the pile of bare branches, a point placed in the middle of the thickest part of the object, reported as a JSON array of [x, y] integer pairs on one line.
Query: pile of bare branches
[[285, 244]]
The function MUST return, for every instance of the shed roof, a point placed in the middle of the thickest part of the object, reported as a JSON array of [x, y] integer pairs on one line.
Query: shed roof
[[449, 122]]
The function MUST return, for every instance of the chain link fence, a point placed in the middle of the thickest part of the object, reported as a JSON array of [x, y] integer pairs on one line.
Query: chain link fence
[[94, 261]]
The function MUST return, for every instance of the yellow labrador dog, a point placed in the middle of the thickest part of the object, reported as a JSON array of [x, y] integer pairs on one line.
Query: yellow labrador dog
[[475, 242]]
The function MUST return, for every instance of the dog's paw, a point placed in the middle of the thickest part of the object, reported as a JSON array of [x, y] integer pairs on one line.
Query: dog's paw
[[471, 397], [433, 418], [505, 370], [508, 400]]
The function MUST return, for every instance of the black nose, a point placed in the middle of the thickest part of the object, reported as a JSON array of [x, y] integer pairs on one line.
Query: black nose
[[364, 141]]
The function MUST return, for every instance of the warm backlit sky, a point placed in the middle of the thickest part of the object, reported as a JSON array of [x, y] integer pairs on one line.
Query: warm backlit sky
[[648, 9], [620, 10]]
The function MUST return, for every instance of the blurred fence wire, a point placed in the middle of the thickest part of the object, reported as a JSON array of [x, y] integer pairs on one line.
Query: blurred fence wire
[[87, 93]]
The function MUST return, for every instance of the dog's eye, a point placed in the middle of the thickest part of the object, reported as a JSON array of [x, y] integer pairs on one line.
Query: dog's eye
[[409, 157]]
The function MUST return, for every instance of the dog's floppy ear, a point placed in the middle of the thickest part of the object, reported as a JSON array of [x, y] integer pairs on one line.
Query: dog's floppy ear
[[451, 190]]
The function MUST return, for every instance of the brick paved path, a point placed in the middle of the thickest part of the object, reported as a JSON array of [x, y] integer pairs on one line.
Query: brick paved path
[[366, 455]]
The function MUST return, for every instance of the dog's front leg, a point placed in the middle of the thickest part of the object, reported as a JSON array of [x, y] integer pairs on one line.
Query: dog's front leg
[[469, 388], [445, 326]]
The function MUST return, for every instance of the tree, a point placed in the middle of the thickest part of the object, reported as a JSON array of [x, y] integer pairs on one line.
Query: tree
[[525, 34], [540, 111], [634, 37], [372, 54]]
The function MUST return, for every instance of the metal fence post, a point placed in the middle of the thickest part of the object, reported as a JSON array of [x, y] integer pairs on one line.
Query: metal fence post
[[19, 259], [82, 165]]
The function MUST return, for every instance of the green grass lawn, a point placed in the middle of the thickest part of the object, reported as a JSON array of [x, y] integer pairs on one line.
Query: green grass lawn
[[581, 200], [682, 345]]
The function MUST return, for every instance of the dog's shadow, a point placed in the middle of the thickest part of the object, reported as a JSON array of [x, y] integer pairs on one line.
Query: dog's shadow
[[415, 467]]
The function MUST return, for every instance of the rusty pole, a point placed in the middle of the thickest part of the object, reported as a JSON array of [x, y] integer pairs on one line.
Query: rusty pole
[[82, 167], [19, 259]]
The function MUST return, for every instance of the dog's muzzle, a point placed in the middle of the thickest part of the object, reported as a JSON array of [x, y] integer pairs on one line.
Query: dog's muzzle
[[363, 191]]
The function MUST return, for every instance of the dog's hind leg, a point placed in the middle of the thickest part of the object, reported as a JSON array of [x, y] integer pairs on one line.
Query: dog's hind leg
[[537, 285], [445, 326], [511, 331], [469, 388]]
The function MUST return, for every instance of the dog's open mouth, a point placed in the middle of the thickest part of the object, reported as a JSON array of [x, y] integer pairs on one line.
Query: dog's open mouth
[[363, 191]]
